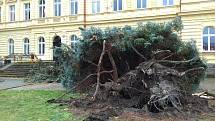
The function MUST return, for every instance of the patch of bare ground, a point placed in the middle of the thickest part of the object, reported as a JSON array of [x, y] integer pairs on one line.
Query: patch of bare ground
[[196, 109]]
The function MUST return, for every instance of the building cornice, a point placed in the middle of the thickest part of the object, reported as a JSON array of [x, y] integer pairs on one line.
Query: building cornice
[[10, 1], [89, 23], [211, 11]]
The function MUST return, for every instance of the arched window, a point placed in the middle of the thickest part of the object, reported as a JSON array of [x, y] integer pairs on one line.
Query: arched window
[[74, 7], [57, 7], [209, 39], [11, 46], [42, 8], [26, 46], [41, 46], [74, 40]]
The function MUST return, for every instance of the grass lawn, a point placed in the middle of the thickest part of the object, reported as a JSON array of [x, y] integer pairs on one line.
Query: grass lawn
[[32, 106]]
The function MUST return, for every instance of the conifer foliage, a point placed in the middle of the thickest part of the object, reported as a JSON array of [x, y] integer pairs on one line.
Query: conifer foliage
[[129, 46]]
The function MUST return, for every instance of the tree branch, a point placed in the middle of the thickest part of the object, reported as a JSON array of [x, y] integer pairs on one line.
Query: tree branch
[[98, 70], [115, 74], [135, 50]]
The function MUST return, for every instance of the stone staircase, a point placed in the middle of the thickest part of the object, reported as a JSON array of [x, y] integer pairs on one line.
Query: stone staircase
[[17, 70]]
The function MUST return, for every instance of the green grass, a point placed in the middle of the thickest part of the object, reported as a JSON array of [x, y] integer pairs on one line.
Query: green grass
[[32, 106]]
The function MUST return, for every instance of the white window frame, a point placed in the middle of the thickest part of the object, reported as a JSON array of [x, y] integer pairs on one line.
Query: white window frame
[[42, 7], [73, 7], [41, 47], [12, 13], [208, 35], [141, 1], [57, 8], [26, 46], [168, 3], [27, 11], [96, 6], [117, 8], [10, 46]]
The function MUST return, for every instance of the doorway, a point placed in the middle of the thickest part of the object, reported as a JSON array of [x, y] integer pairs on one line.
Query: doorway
[[56, 43]]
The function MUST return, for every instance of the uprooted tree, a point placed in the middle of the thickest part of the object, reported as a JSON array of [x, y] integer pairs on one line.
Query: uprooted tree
[[144, 66]]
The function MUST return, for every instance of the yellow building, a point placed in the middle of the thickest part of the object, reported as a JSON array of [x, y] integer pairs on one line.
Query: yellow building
[[30, 26]]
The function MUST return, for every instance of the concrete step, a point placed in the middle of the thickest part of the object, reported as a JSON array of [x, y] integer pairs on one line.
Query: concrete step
[[20, 69]]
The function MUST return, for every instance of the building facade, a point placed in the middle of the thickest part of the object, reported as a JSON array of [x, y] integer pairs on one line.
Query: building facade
[[31, 26]]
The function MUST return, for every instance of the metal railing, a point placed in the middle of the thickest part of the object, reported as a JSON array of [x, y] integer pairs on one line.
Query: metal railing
[[19, 57]]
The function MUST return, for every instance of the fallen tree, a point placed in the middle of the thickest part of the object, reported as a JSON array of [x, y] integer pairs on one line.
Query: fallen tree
[[143, 67]]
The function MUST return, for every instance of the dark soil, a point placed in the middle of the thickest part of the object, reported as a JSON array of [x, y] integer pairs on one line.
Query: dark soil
[[196, 108]]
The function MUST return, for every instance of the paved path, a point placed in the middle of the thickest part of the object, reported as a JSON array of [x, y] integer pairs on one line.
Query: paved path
[[208, 84], [6, 83]]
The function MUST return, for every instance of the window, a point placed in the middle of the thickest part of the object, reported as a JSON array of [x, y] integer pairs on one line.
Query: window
[[57, 7], [74, 7], [11, 46], [26, 46], [41, 46], [42, 8], [167, 2], [27, 11], [74, 40], [12, 12], [117, 5], [95, 6], [141, 3], [209, 39]]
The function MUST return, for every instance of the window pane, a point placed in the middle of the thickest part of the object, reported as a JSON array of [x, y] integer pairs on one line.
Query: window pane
[[43, 52], [138, 3], [59, 14], [115, 5], [72, 8], [76, 7], [205, 31], [98, 6], [212, 30], [44, 11], [55, 10], [120, 4], [205, 43], [212, 43], [143, 3], [93, 7], [40, 11], [170, 2], [39, 48], [164, 2]]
